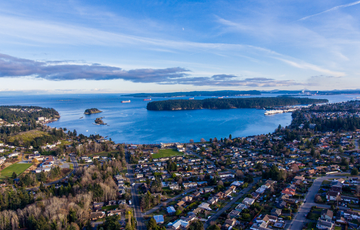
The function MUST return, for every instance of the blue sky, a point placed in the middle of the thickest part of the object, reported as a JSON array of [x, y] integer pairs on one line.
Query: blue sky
[[162, 46]]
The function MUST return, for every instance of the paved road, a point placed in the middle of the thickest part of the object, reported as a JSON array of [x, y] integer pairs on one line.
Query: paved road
[[299, 219], [135, 198], [168, 201], [226, 207]]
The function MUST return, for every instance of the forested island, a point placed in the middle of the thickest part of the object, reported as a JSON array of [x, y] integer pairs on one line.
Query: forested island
[[231, 103], [197, 93], [92, 111]]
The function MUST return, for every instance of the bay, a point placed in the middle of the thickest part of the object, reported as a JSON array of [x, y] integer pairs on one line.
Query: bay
[[132, 123]]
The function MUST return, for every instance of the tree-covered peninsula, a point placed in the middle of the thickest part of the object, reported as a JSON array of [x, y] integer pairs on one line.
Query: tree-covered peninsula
[[92, 111], [231, 103]]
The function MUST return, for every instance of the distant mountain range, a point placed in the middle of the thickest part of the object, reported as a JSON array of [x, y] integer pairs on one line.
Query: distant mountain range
[[197, 93], [243, 93]]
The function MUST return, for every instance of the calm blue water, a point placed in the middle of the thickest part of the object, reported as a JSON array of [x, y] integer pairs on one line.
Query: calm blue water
[[132, 123]]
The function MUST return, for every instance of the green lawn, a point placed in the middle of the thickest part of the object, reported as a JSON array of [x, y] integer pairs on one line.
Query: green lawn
[[103, 154], [17, 168], [111, 207], [28, 136], [167, 153]]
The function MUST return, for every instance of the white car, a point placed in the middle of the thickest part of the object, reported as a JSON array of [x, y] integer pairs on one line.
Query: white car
[[133, 184]]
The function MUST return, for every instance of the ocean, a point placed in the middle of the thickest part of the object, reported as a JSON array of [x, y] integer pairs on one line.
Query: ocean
[[131, 123]]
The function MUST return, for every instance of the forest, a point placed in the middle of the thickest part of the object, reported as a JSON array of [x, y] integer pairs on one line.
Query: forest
[[231, 103], [92, 111], [26, 114]]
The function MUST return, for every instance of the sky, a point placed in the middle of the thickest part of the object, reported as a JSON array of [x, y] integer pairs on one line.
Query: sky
[[134, 46]]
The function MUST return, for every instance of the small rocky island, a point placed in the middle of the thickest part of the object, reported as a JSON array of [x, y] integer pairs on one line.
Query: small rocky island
[[99, 121], [92, 111]]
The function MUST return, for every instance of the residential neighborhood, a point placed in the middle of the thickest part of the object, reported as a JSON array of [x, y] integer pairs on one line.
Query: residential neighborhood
[[294, 178]]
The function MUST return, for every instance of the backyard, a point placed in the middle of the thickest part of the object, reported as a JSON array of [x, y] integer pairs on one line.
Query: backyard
[[17, 168], [167, 153]]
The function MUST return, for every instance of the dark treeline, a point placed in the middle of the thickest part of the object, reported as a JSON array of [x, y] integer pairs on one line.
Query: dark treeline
[[230, 103]]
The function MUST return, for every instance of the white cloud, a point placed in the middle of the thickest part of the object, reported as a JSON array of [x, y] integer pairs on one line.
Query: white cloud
[[331, 9]]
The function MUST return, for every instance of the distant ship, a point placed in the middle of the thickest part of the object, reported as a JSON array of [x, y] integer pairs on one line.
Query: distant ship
[[147, 99], [126, 101], [220, 97], [191, 98]]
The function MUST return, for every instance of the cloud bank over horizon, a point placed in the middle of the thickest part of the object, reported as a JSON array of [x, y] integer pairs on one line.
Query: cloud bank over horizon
[[63, 71]]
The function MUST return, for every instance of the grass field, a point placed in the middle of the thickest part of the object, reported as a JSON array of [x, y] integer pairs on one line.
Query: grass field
[[17, 168], [167, 153], [103, 154], [28, 136]]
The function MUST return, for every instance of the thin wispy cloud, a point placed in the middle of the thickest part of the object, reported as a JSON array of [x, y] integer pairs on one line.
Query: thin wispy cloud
[[331, 9]]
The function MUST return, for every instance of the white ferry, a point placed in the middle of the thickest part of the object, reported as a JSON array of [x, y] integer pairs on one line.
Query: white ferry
[[272, 112], [126, 101]]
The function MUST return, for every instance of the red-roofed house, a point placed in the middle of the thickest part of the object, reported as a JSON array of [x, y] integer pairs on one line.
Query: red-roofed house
[[288, 191]]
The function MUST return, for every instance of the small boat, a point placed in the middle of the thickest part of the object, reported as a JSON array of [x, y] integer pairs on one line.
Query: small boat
[[147, 99], [220, 97], [126, 101], [191, 98]]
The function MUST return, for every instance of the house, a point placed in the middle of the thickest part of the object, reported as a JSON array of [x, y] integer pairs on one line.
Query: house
[[97, 215], [179, 224], [14, 154], [229, 223], [229, 192], [333, 196], [282, 204], [259, 226], [180, 203], [248, 201], [170, 210], [240, 207], [174, 186], [112, 202], [324, 225], [276, 212], [267, 218], [255, 195], [159, 219], [2, 160], [114, 213], [190, 185], [213, 200], [233, 214], [98, 206], [205, 206], [327, 215], [187, 199], [237, 183], [220, 195], [288, 191]]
